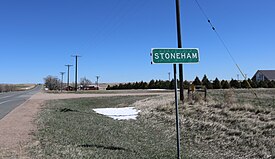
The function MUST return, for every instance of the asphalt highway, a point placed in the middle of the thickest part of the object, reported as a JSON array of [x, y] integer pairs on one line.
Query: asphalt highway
[[10, 100]]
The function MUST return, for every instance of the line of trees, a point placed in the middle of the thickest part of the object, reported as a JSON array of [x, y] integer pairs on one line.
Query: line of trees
[[224, 84], [54, 83], [153, 84], [215, 84]]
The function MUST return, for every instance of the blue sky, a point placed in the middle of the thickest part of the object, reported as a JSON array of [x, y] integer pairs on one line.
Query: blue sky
[[115, 37]]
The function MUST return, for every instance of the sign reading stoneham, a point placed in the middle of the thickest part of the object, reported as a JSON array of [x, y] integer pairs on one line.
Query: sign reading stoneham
[[178, 55]]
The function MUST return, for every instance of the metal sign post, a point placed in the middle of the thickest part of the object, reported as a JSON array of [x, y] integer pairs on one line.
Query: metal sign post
[[177, 112], [175, 56]]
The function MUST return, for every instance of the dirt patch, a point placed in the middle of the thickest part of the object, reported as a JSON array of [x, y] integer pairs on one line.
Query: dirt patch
[[16, 128]]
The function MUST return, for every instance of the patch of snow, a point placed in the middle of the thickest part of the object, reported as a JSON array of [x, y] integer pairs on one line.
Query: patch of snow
[[119, 113]]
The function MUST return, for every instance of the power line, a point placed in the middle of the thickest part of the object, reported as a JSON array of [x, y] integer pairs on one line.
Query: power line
[[223, 43], [220, 38]]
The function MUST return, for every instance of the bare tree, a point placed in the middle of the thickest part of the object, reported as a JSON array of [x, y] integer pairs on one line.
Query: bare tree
[[52, 83], [1, 88], [84, 82], [7, 87]]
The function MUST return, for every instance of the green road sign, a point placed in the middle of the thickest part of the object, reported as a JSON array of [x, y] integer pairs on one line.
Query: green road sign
[[177, 55]]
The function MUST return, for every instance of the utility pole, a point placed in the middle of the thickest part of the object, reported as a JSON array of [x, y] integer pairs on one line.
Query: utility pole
[[68, 78], [169, 75], [76, 56], [62, 73], [238, 77], [97, 77], [179, 46]]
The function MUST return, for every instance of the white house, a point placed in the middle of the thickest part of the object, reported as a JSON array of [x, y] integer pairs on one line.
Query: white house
[[262, 75]]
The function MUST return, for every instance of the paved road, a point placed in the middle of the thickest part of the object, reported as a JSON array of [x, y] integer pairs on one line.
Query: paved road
[[10, 100]]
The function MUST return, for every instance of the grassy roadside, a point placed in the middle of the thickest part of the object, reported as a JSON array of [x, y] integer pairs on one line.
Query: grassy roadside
[[71, 129], [222, 127], [112, 91]]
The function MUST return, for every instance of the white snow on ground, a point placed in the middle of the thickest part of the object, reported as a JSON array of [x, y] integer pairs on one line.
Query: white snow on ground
[[119, 113]]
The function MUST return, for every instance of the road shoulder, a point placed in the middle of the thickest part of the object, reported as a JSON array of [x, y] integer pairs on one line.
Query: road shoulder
[[16, 128]]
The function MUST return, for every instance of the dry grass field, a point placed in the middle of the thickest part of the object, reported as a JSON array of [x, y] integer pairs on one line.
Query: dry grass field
[[15, 87], [229, 124]]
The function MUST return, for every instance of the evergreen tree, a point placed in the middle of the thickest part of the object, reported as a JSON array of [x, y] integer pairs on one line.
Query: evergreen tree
[[157, 84], [172, 84], [225, 84], [151, 84], [271, 84], [120, 86], [217, 84], [128, 86], [252, 83], [263, 84], [244, 84], [204, 79], [161, 84], [186, 84], [235, 84], [108, 87], [197, 81], [144, 85], [206, 82], [114, 87], [166, 84], [137, 85]]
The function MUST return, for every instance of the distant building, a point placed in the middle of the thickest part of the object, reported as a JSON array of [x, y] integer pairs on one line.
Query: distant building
[[264, 75], [69, 88], [88, 87]]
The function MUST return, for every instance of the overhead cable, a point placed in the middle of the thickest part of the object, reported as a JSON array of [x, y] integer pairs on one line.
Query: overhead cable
[[223, 43]]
